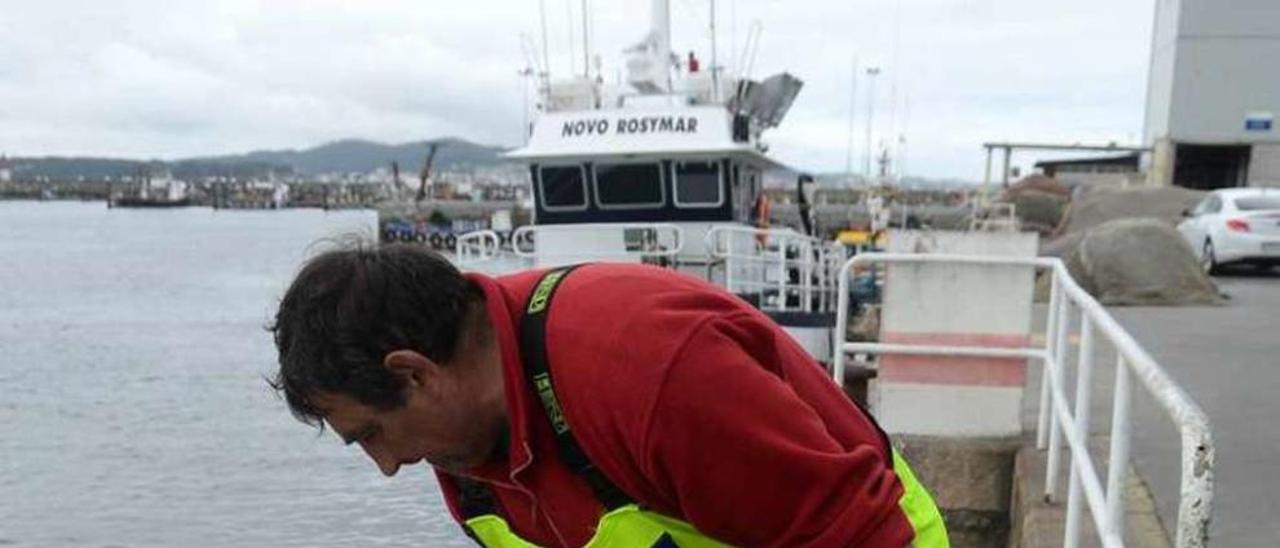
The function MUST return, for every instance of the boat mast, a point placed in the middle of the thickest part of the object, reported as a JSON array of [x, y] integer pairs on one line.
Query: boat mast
[[546, 56]]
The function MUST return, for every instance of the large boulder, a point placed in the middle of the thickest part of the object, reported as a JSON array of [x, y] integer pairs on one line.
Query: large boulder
[[1093, 206], [1039, 183], [1139, 262], [1038, 210]]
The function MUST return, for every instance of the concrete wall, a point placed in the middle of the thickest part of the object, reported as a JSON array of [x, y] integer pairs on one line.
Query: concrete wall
[[1160, 169], [955, 305], [1164, 39], [1264, 165]]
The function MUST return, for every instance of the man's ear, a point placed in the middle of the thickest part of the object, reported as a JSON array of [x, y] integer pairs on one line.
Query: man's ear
[[415, 369]]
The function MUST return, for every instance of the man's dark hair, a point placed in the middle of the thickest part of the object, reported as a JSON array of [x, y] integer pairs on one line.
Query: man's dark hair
[[348, 308]]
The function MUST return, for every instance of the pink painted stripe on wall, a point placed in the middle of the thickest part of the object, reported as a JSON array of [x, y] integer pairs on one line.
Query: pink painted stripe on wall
[[954, 371]]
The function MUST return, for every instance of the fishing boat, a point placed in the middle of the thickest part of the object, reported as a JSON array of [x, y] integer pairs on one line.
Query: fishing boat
[[161, 191], [667, 168]]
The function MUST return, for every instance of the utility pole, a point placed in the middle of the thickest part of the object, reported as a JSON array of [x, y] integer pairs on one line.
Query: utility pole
[[872, 72]]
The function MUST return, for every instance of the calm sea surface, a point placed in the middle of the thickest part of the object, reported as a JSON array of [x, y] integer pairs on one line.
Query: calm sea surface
[[133, 410]]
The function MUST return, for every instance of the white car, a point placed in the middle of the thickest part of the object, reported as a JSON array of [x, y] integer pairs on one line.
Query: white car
[[1235, 225]]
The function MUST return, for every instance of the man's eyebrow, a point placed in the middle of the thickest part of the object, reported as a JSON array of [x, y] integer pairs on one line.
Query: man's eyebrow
[[359, 434]]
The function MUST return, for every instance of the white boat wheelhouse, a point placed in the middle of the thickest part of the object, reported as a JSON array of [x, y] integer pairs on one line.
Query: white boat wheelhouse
[[667, 169]]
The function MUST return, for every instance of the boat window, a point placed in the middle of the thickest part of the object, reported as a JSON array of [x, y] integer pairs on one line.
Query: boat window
[[564, 188], [1257, 203], [629, 186], [698, 184]]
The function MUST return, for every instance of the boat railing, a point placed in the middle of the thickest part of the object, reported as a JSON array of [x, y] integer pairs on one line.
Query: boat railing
[[786, 270], [477, 246], [1059, 418], [656, 243]]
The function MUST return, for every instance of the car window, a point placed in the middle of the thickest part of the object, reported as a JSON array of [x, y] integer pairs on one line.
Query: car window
[[1202, 207], [1214, 205], [1257, 203]]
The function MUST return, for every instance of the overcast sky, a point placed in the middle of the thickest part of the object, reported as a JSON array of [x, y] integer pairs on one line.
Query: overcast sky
[[171, 78]]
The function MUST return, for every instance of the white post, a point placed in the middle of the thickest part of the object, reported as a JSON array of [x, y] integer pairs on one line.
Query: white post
[[1050, 336], [1119, 459], [728, 259], [842, 322], [1059, 375], [806, 275], [782, 274], [1075, 498]]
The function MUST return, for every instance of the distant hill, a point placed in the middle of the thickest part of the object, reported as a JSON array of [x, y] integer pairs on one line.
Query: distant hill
[[359, 156], [345, 156]]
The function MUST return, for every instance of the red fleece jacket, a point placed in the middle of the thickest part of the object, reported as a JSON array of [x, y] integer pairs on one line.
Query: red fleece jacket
[[694, 404]]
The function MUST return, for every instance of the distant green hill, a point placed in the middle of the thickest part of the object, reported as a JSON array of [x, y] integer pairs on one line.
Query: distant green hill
[[359, 156], [345, 156]]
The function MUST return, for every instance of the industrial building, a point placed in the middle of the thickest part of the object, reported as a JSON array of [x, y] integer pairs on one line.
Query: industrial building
[[1213, 93]]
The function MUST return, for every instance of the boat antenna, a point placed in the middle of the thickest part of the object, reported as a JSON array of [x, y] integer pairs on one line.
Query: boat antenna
[[568, 14], [546, 57], [527, 49], [893, 76], [715, 80], [586, 42], [747, 59], [732, 30]]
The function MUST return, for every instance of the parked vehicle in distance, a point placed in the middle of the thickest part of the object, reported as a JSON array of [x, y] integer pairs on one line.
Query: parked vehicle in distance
[[1235, 226]]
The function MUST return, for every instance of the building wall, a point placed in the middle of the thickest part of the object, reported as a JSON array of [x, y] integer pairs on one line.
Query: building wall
[[1219, 83], [1224, 67]]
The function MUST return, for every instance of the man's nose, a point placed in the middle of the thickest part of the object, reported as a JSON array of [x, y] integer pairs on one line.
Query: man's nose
[[387, 463]]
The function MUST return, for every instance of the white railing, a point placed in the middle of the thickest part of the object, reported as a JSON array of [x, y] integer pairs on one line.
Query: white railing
[[634, 241], [481, 245], [1106, 504], [782, 266]]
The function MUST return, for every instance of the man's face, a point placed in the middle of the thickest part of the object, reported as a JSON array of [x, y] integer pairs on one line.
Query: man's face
[[441, 422]]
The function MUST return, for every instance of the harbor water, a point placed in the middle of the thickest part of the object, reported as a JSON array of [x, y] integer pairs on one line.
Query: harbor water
[[133, 405]]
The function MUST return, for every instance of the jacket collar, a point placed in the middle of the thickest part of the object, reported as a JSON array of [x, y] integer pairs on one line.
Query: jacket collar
[[503, 304]]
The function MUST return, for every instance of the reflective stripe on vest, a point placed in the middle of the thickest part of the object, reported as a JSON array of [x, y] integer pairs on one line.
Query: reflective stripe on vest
[[919, 507], [626, 527], [626, 524]]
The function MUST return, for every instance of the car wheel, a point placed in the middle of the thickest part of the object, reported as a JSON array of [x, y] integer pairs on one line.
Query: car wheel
[[1209, 261]]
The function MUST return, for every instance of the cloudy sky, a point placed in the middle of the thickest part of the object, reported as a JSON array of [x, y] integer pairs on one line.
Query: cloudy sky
[[174, 78]]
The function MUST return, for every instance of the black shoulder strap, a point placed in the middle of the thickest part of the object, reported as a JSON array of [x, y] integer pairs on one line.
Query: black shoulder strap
[[537, 372], [474, 498]]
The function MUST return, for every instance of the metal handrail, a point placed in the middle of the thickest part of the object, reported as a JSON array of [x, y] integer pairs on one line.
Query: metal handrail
[[768, 256], [476, 246], [1106, 505], [670, 252]]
